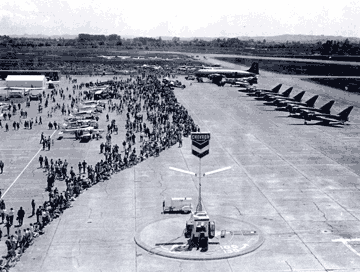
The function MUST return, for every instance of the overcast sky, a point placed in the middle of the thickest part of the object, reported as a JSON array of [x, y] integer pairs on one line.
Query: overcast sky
[[180, 18]]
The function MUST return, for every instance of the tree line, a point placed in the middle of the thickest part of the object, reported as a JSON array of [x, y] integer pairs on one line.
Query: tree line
[[329, 47]]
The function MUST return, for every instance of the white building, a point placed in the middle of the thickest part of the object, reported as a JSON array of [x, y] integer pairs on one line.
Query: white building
[[26, 81]]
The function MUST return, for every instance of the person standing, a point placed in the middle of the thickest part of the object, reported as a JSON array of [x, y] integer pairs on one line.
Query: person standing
[[41, 159], [38, 214], [20, 216], [46, 163], [3, 210], [42, 137], [11, 216], [8, 226], [1, 166], [84, 166], [33, 207]]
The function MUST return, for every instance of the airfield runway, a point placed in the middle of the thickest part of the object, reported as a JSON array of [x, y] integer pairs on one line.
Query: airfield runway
[[298, 184]]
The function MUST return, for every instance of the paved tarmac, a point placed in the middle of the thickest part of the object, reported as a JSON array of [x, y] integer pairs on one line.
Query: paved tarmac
[[298, 184]]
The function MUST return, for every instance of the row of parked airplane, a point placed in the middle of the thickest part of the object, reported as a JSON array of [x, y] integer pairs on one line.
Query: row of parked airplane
[[299, 109], [82, 122]]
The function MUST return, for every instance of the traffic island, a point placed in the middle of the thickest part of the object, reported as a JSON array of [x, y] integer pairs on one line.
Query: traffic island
[[233, 238]]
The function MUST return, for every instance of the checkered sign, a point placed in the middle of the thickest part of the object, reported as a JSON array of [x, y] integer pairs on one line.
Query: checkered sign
[[200, 144]]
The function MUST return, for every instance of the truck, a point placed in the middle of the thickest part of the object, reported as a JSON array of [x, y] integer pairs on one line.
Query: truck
[[35, 94], [199, 229], [178, 205]]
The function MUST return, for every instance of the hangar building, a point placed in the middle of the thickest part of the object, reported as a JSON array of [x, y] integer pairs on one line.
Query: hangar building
[[26, 81]]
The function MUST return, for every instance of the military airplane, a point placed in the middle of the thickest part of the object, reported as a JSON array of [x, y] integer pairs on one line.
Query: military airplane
[[302, 111], [262, 92], [216, 74], [273, 96], [278, 100], [283, 105], [329, 119]]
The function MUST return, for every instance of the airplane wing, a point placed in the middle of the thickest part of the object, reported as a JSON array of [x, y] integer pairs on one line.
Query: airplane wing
[[329, 120], [85, 135]]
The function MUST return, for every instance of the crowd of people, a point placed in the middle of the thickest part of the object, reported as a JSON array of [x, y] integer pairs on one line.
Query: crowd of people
[[153, 121]]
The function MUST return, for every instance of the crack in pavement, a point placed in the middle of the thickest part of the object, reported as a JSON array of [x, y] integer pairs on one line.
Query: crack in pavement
[[237, 210], [106, 188], [90, 213], [180, 266], [289, 266], [317, 207], [162, 192]]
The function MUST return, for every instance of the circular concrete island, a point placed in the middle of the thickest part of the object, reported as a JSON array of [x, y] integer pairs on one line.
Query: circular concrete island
[[233, 238]]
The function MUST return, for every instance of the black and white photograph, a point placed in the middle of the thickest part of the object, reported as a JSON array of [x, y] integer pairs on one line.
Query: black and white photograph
[[141, 136]]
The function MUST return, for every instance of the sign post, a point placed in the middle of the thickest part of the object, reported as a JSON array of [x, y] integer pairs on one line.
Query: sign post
[[200, 148]]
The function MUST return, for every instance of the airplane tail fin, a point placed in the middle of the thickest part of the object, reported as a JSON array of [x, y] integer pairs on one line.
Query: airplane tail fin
[[345, 113], [299, 96], [276, 89], [326, 108], [287, 92], [311, 101], [254, 68]]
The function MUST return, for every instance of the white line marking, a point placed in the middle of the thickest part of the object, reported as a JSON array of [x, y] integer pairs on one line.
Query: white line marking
[[345, 242], [37, 153]]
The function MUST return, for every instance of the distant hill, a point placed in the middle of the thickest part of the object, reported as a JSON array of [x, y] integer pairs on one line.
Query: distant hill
[[282, 38], [41, 36], [299, 38], [279, 38]]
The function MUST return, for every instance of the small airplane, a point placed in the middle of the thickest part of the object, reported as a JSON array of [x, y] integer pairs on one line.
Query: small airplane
[[80, 124], [273, 96], [85, 112], [73, 118], [329, 119], [262, 92], [96, 108], [92, 102], [294, 109], [214, 73], [279, 100], [284, 105], [80, 132]]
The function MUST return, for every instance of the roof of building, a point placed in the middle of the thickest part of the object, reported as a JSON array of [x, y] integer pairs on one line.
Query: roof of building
[[25, 78]]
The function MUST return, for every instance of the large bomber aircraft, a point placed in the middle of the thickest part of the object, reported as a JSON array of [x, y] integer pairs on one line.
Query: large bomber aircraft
[[329, 119], [216, 74]]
